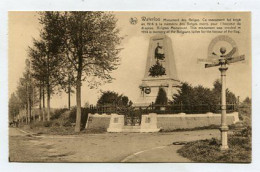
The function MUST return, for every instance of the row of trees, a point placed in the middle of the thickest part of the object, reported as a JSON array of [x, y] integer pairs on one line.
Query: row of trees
[[197, 95], [201, 95], [25, 95], [73, 47]]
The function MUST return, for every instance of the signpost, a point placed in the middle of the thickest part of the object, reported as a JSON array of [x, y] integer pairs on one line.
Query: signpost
[[222, 61]]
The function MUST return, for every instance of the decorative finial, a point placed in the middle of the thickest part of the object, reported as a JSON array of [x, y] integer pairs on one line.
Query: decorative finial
[[223, 50]]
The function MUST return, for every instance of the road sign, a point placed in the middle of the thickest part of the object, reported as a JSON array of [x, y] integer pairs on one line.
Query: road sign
[[208, 60], [228, 61], [212, 65], [236, 59], [222, 61]]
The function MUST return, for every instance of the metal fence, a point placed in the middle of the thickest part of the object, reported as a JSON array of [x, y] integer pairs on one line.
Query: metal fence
[[163, 109]]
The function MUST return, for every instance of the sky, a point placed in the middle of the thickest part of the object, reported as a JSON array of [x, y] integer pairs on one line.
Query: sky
[[187, 48]]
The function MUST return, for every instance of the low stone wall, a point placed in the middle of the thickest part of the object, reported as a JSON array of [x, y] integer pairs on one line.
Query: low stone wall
[[182, 121], [153, 122], [97, 122]]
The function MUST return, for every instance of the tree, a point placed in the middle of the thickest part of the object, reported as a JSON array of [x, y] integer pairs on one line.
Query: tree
[[49, 59], [39, 70], [184, 95], [113, 98], [247, 101], [66, 80], [14, 106], [230, 97], [27, 81], [90, 40], [245, 111], [21, 93], [199, 95], [26, 92], [161, 98]]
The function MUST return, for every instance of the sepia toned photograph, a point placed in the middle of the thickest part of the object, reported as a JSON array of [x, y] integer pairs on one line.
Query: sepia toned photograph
[[128, 86]]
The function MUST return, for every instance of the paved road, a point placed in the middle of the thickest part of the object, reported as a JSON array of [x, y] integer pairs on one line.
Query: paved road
[[107, 147]]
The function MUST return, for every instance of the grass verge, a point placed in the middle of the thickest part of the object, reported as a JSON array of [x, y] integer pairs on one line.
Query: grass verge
[[209, 150], [62, 123], [191, 129]]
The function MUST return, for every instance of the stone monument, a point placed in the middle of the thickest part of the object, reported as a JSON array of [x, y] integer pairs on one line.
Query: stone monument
[[160, 71]]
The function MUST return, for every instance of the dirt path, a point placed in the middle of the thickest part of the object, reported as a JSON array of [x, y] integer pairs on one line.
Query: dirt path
[[107, 147]]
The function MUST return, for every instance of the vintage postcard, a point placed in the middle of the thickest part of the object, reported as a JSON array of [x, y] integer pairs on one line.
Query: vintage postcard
[[111, 86]]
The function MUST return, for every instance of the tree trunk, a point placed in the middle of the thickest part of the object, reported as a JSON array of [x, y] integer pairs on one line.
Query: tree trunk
[[69, 90], [40, 103], [78, 100], [43, 104], [33, 115], [48, 103], [69, 97], [30, 112], [48, 90], [32, 105], [26, 117], [28, 105]]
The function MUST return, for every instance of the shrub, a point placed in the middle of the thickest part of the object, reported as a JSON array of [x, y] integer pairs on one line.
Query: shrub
[[58, 113], [161, 98], [61, 123], [97, 130], [67, 124], [47, 123], [84, 116], [245, 111], [246, 132]]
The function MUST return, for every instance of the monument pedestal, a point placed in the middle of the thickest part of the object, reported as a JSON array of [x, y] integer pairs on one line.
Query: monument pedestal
[[169, 85]]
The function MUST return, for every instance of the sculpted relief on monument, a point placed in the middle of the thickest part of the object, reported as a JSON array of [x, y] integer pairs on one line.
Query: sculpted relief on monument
[[157, 69]]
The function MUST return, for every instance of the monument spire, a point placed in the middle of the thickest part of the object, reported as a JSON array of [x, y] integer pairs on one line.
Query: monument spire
[[160, 70]]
